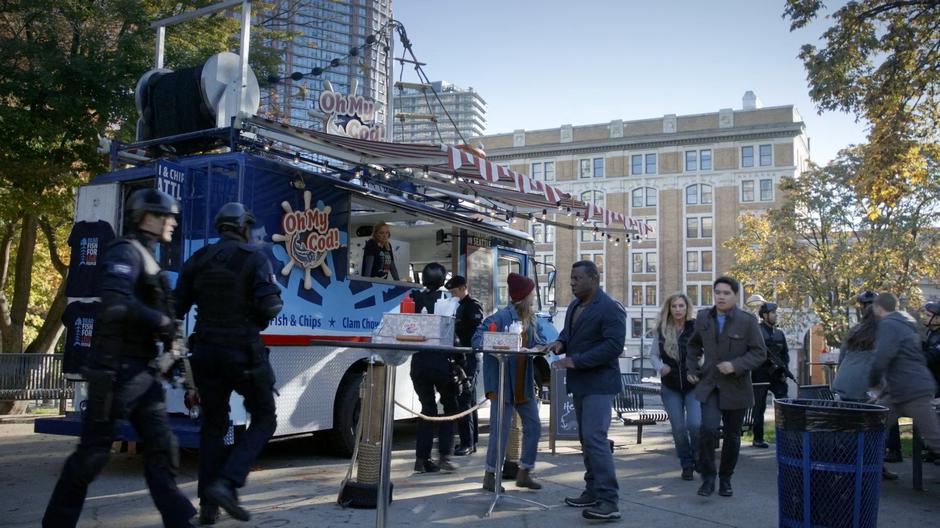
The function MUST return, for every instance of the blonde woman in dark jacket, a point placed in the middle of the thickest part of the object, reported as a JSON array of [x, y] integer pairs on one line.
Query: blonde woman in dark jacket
[[668, 354]]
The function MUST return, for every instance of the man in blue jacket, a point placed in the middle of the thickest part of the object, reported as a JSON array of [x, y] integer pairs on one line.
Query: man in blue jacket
[[592, 340]]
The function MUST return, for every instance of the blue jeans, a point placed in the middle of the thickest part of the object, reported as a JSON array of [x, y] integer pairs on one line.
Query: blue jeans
[[593, 412], [531, 430], [685, 417]]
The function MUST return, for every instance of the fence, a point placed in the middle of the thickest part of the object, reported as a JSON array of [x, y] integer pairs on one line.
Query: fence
[[33, 377]]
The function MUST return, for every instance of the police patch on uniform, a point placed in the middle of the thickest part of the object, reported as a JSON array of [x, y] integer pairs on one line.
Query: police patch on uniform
[[120, 269]]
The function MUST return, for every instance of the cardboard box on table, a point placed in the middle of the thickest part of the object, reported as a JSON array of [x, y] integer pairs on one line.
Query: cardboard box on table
[[420, 329]]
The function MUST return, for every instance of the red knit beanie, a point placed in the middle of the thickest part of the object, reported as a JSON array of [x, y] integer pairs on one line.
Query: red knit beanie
[[519, 286]]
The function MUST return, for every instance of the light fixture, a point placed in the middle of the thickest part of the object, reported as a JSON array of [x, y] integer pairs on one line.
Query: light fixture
[[617, 242], [296, 159], [476, 198], [560, 208], [544, 213], [266, 147], [388, 176], [568, 211]]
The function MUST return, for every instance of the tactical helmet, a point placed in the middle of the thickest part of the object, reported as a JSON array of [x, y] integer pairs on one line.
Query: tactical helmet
[[866, 297], [766, 308], [233, 215], [432, 276], [150, 201], [933, 308]]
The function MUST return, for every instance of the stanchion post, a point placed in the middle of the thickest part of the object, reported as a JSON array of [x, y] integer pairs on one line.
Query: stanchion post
[[500, 409], [381, 502]]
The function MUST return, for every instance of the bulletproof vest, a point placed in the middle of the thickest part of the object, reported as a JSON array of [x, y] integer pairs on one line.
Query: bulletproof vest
[[152, 290], [774, 340], [219, 286]]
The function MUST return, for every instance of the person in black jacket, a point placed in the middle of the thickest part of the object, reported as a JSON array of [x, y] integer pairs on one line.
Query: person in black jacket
[[378, 260], [769, 372], [123, 381], [232, 285], [468, 317], [931, 312], [668, 353]]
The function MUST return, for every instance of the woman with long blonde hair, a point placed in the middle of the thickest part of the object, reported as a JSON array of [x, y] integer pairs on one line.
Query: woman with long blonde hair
[[377, 257], [667, 352]]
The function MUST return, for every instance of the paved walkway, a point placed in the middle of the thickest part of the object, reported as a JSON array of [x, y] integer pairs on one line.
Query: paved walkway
[[291, 487]]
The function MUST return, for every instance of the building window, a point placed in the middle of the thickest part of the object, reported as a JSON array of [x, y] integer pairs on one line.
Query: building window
[[747, 156], [643, 197], [691, 160], [698, 194], [549, 171], [691, 195], [691, 261], [691, 227], [584, 168], [636, 294], [705, 159], [598, 260], [766, 190], [650, 295], [651, 163], [638, 263], [692, 292], [543, 234], [766, 155], [536, 171], [706, 191], [706, 260], [598, 167], [636, 328], [747, 191], [706, 294], [706, 227], [651, 261], [651, 235], [636, 164]]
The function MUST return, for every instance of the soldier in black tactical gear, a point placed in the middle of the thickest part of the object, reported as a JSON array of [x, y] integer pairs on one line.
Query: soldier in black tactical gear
[[122, 380], [770, 372], [468, 317], [232, 285], [931, 312], [430, 372]]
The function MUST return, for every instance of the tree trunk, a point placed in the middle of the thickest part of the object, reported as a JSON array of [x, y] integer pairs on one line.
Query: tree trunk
[[22, 281], [51, 328], [5, 324]]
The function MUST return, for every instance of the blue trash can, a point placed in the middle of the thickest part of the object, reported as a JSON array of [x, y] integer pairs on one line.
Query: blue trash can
[[829, 459]]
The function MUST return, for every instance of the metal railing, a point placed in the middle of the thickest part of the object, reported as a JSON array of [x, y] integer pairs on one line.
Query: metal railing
[[33, 377]]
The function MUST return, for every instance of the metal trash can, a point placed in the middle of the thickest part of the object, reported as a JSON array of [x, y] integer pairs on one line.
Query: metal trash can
[[829, 459]]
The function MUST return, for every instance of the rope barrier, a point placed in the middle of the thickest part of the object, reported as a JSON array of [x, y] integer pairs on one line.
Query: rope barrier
[[448, 418]]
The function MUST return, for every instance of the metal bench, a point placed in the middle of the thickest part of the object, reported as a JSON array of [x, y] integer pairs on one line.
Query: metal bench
[[814, 392], [631, 408], [34, 377]]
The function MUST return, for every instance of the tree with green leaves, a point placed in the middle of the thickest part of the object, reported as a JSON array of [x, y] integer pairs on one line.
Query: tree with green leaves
[[823, 246], [879, 62], [67, 73]]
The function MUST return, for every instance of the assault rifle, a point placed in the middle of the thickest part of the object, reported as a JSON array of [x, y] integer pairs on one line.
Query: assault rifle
[[778, 362], [173, 363]]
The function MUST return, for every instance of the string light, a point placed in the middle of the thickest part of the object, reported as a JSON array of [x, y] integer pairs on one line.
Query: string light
[[336, 62], [544, 213], [617, 242]]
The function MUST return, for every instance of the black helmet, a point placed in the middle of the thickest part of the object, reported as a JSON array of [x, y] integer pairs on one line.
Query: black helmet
[[150, 201], [432, 276], [933, 308], [866, 297], [233, 215], [766, 308]]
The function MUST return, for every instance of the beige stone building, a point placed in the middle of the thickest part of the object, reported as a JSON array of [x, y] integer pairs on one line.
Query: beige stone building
[[691, 176]]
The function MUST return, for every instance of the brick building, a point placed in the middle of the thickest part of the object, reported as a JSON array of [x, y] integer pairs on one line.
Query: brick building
[[691, 176]]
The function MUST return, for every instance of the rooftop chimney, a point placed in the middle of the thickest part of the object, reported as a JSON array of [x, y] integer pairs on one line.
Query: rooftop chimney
[[750, 101]]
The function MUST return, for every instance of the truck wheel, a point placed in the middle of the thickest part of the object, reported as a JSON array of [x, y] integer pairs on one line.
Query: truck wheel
[[346, 412]]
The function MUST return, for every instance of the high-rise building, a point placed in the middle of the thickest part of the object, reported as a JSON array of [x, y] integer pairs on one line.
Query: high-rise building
[[414, 106], [690, 176], [325, 30]]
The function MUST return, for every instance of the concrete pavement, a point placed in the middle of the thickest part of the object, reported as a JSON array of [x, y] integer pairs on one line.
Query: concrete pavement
[[294, 487]]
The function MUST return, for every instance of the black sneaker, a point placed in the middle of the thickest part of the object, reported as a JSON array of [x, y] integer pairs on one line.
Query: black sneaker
[[426, 466], [584, 501], [687, 474], [602, 512], [446, 465], [222, 493], [462, 450], [707, 487], [724, 488], [760, 444]]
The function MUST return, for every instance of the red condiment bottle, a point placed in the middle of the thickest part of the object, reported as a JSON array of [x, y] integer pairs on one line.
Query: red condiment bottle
[[407, 305], [492, 327]]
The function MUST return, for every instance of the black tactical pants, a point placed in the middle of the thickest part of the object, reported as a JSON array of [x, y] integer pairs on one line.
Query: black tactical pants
[[138, 397], [219, 370]]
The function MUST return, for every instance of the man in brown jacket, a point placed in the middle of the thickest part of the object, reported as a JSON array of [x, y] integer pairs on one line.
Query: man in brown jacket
[[732, 344]]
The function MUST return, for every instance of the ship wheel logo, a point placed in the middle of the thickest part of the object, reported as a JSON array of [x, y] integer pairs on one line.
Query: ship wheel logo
[[308, 238]]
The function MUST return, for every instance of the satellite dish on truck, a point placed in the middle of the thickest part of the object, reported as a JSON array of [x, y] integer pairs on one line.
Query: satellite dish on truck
[[170, 103]]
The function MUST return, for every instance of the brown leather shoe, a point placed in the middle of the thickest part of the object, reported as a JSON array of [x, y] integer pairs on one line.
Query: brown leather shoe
[[524, 480]]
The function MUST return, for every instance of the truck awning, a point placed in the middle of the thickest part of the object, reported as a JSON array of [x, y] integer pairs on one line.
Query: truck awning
[[451, 171]]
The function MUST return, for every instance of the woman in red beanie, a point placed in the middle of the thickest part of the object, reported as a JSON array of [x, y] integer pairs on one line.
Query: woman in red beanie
[[519, 385]]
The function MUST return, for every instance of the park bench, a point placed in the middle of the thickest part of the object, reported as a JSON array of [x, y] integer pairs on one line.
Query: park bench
[[631, 408]]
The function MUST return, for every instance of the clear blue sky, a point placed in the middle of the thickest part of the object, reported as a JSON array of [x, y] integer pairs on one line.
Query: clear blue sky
[[543, 63]]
